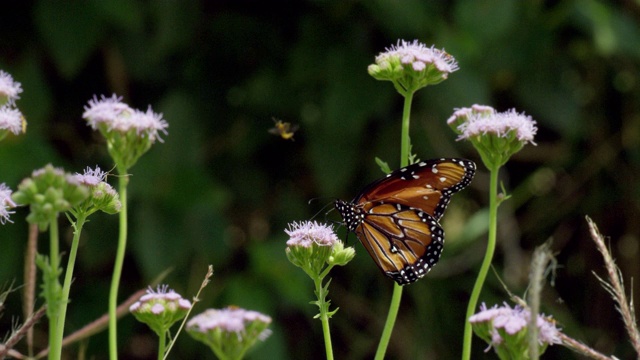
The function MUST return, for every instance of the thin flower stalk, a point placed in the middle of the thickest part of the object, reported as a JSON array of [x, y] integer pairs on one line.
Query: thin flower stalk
[[396, 297], [130, 133], [486, 262], [496, 136], [196, 299], [117, 269], [315, 248], [615, 287], [542, 256], [582, 349], [410, 66]]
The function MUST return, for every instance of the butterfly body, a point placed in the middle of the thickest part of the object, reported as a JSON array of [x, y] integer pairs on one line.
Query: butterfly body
[[397, 217]]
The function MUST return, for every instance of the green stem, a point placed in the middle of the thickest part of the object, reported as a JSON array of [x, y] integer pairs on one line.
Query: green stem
[[486, 263], [405, 148], [67, 281], [405, 141], [162, 345], [117, 268], [324, 317], [391, 320], [54, 261]]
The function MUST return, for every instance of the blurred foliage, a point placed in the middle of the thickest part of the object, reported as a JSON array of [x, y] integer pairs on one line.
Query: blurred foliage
[[221, 189]]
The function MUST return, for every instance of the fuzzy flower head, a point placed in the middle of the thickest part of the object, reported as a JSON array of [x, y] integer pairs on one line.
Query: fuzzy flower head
[[412, 66], [11, 120], [496, 135], [312, 246], [229, 332], [9, 89], [129, 132], [102, 196], [160, 309], [6, 203], [505, 329], [48, 192]]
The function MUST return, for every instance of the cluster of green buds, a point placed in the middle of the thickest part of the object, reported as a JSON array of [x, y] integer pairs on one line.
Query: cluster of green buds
[[49, 191], [102, 196]]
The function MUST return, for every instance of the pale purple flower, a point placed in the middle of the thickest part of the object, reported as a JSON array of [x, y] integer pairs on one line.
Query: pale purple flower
[[160, 308], [162, 295], [149, 123], [500, 124], [157, 308], [5, 203], [9, 87], [91, 177], [230, 319], [463, 114], [419, 56], [11, 119], [514, 320], [118, 116], [307, 233], [105, 110]]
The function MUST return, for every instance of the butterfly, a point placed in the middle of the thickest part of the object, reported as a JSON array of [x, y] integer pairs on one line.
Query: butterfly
[[283, 129], [396, 218]]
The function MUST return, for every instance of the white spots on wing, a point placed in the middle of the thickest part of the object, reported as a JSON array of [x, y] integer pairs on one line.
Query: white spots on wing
[[443, 179]]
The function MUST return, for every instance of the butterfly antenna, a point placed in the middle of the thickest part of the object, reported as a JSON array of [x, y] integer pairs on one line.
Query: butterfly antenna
[[321, 209]]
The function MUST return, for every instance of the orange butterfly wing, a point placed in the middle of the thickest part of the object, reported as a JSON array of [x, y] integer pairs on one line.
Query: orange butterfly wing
[[404, 242], [396, 217], [426, 185]]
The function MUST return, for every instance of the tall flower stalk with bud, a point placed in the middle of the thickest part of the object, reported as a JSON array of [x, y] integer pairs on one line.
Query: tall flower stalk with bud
[[315, 248], [496, 136], [129, 134], [410, 66], [48, 192], [102, 197]]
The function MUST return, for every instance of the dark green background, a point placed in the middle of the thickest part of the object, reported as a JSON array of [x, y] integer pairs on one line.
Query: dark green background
[[221, 189]]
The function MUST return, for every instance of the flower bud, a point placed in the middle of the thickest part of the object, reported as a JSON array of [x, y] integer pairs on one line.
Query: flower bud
[[340, 255]]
